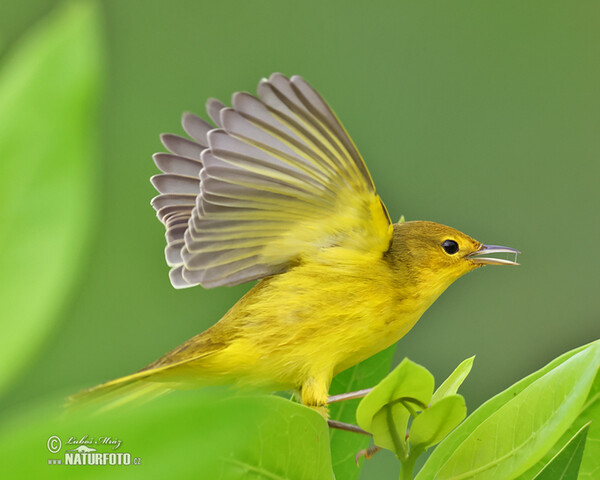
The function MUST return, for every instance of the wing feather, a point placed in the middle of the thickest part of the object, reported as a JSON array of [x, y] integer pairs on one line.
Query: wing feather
[[173, 199], [179, 184], [178, 165], [196, 128], [181, 146], [213, 108], [277, 180]]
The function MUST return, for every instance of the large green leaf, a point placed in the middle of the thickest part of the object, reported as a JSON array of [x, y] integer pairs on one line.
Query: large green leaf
[[510, 439], [184, 435], [565, 464], [590, 465], [48, 96], [345, 445], [384, 412], [450, 443]]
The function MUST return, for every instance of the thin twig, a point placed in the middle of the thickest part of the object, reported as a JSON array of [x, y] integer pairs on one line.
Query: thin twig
[[347, 427], [348, 396]]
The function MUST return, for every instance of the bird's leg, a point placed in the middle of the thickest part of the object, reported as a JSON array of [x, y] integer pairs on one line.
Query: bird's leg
[[348, 396], [348, 427], [314, 394]]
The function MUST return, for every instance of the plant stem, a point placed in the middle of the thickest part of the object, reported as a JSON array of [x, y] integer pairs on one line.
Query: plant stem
[[399, 445], [411, 410], [406, 470]]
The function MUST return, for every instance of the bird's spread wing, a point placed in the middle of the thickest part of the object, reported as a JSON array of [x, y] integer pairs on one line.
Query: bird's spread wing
[[276, 180]]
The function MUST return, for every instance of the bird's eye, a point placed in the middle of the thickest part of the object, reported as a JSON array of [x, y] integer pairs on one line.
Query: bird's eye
[[450, 247]]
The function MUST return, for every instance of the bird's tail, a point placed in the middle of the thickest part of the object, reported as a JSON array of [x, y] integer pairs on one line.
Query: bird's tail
[[178, 369], [138, 388]]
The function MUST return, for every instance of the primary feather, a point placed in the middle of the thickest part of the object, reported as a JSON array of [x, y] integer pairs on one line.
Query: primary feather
[[278, 179]]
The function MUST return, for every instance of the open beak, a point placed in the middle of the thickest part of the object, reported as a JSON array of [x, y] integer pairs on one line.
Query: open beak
[[477, 257]]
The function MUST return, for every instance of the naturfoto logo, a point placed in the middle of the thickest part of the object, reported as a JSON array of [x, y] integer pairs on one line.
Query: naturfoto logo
[[86, 451]]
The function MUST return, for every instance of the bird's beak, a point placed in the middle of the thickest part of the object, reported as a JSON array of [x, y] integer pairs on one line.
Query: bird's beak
[[477, 257]]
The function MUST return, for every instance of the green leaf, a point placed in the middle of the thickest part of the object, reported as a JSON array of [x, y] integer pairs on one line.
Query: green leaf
[[384, 412], [432, 425], [454, 381], [184, 435], [345, 445], [511, 438], [590, 465], [450, 443], [48, 96], [565, 464]]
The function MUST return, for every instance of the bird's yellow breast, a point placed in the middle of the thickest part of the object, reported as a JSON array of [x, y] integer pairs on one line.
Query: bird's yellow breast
[[317, 319]]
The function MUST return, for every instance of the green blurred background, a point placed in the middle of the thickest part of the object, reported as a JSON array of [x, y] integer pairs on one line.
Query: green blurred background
[[481, 115]]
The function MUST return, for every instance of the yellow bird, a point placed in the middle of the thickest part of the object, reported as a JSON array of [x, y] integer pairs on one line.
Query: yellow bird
[[277, 192]]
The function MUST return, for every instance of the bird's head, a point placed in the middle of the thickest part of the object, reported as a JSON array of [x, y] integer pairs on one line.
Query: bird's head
[[434, 255]]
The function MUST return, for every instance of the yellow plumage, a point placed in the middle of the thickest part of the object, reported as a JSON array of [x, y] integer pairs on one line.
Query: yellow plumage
[[278, 192]]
